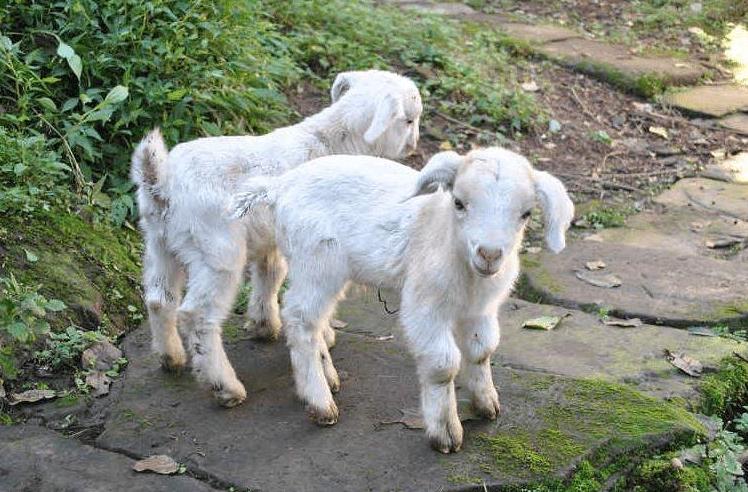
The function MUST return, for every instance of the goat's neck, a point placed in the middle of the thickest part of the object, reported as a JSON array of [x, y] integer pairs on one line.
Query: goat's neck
[[334, 137]]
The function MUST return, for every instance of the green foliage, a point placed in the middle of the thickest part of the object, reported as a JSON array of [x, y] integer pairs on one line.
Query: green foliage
[[23, 314], [722, 389], [605, 216], [31, 174], [601, 136], [65, 348]]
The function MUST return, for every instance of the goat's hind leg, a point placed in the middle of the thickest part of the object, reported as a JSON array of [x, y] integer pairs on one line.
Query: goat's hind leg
[[268, 271], [163, 284], [308, 305], [210, 294]]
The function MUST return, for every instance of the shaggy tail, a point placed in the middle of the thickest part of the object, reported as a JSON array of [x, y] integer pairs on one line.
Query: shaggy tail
[[148, 170], [254, 192]]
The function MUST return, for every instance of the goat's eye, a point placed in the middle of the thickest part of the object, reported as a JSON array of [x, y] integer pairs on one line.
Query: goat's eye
[[410, 122], [459, 205], [525, 215]]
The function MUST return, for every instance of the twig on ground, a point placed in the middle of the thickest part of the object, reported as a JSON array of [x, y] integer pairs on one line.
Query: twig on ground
[[458, 122]]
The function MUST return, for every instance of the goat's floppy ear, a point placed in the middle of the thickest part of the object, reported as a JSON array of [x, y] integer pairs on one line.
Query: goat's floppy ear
[[343, 82], [558, 209], [388, 108], [439, 171]]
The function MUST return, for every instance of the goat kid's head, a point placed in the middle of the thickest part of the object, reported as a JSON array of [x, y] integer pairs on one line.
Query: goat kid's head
[[492, 192], [382, 106]]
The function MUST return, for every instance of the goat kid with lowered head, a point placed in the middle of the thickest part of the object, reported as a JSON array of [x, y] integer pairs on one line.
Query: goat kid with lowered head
[[448, 238], [184, 199]]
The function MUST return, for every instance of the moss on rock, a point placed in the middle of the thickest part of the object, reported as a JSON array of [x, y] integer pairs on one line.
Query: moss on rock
[[726, 388]]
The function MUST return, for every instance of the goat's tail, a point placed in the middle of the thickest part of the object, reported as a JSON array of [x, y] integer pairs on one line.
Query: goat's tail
[[253, 192], [148, 170]]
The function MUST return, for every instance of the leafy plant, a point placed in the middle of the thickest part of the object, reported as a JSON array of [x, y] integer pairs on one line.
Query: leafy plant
[[66, 347], [726, 332], [601, 136]]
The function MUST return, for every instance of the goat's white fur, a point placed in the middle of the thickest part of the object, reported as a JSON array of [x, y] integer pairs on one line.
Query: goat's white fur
[[184, 200], [342, 219]]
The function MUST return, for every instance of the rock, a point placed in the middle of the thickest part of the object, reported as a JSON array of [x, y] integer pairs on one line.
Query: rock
[[39, 459], [732, 170], [100, 356], [708, 195], [737, 122], [712, 100], [451, 9], [99, 382], [537, 33]]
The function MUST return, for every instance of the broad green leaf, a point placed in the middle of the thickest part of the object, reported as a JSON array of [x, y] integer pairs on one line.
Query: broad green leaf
[[69, 104], [64, 50], [19, 168], [18, 330], [55, 305], [117, 95], [76, 65], [30, 256], [41, 327], [47, 103]]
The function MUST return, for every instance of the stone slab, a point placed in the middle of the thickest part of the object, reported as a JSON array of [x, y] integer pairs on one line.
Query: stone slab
[[716, 197], [732, 170], [657, 285], [592, 55], [712, 100], [737, 122], [537, 33], [452, 9], [40, 460], [580, 347], [268, 442]]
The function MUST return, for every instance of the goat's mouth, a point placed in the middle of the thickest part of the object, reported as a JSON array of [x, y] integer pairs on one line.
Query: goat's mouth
[[485, 272]]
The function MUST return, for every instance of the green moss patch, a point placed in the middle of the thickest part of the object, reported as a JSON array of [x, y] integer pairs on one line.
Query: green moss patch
[[726, 388]]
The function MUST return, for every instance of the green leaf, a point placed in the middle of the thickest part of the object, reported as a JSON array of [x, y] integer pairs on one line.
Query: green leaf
[[18, 330], [117, 95], [30, 256], [65, 51], [47, 103], [41, 327], [69, 104], [55, 305], [76, 65], [19, 168]]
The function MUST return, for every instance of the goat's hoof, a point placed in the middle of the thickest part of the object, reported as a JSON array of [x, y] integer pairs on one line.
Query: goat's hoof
[[264, 331], [173, 364], [448, 439], [488, 408], [229, 397], [324, 418]]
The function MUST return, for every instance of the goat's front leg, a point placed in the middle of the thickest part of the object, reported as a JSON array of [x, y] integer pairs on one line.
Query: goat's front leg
[[267, 273], [438, 362], [478, 338]]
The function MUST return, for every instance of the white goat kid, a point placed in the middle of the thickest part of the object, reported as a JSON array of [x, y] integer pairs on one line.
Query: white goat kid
[[447, 237], [184, 199]]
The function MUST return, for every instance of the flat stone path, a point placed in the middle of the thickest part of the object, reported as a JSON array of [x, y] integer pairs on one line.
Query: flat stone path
[[728, 102], [683, 264], [40, 460]]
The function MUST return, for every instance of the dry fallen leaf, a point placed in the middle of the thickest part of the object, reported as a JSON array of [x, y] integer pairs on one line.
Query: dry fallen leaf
[[31, 396], [624, 323], [99, 382], [660, 131], [595, 265], [530, 86], [607, 281], [385, 338], [533, 250], [2, 389], [687, 364], [158, 463], [543, 322], [445, 145], [412, 418], [338, 324]]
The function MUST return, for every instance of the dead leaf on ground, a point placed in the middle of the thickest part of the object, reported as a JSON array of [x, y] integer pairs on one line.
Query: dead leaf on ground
[[687, 364], [158, 463], [99, 382], [412, 418], [722, 242], [384, 338], [2, 389], [659, 131], [530, 86], [623, 323], [595, 265], [445, 145], [100, 356], [338, 324], [608, 281], [31, 396], [702, 331], [533, 250], [543, 322]]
